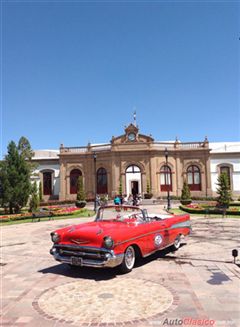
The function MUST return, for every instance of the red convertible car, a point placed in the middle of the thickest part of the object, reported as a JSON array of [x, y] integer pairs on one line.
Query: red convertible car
[[117, 236]]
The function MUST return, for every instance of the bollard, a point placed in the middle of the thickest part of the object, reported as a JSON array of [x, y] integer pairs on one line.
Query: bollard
[[234, 254]]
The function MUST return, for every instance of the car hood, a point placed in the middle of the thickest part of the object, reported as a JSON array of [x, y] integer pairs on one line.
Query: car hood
[[92, 233]]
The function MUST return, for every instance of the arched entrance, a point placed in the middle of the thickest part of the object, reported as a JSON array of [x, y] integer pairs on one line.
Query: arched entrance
[[74, 174], [102, 181], [133, 180]]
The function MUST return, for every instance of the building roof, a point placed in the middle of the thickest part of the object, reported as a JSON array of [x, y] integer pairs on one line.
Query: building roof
[[46, 154], [224, 147]]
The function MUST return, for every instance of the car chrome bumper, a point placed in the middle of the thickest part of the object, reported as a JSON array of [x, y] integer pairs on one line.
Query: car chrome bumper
[[111, 260]]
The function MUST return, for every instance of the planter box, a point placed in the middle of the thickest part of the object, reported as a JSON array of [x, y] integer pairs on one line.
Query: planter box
[[81, 204], [186, 202]]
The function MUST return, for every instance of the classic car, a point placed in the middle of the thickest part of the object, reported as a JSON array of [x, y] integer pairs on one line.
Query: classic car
[[118, 236]]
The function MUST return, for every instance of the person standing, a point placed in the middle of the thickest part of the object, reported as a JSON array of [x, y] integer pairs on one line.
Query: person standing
[[117, 200]]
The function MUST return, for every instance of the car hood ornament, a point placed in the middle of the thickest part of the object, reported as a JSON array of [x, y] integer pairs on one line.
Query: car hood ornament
[[78, 241]]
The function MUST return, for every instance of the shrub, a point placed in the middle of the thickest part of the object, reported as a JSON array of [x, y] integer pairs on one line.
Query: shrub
[[120, 189], [80, 190], [223, 190], [149, 194], [40, 192], [34, 200], [186, 195], [198, 209]]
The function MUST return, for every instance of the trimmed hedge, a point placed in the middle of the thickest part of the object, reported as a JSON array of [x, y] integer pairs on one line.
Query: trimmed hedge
[[194, 198], [29, 216], [234, 204], [56, 202], [209, 211]]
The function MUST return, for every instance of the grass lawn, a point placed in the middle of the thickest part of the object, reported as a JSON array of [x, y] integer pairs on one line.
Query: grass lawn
[[87, 213], [178, 211]]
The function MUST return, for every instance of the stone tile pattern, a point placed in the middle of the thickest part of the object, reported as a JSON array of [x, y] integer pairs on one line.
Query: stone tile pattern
[[202, 274], [123, 300]]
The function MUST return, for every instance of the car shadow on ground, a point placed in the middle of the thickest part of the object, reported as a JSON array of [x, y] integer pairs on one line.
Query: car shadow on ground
[[81, 272], [110, 273], [102, 273]]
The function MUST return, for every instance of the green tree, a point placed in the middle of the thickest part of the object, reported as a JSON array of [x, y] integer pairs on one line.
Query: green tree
[[40, 192], [4, 186], [186, 195], [223, 190], [14, 180], [81, 196], [34, 200], [24, 148]]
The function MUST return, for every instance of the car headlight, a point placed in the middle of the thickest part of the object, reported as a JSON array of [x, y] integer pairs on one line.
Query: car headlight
[[55, 237], [108, 242]]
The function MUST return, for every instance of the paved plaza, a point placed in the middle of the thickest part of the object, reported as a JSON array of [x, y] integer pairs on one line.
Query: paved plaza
[[197, 285]]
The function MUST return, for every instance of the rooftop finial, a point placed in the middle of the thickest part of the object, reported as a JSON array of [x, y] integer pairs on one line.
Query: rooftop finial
[[134, 118]]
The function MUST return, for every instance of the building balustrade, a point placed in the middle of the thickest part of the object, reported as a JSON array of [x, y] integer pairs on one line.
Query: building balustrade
[[155, 145]]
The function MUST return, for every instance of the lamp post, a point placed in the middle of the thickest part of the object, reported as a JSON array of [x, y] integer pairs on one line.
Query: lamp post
[[168, 184], [95, 181]]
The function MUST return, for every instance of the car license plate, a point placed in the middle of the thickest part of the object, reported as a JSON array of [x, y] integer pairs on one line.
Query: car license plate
[[76, 261]]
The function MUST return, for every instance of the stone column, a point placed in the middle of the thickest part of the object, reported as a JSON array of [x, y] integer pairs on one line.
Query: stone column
[[179, 176], [62, 192], [154, 176]]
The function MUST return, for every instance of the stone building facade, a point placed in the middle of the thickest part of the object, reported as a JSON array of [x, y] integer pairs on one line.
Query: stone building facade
[[135, 160]]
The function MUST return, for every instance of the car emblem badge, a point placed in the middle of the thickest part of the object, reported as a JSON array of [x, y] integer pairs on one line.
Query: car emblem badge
[[158, 240], [72, 229], [99, 232]]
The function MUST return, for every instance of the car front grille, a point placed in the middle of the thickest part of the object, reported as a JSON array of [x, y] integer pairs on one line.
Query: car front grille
[[85, 252]]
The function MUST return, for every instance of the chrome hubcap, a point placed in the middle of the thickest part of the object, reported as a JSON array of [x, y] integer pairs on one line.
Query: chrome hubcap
[[129, 257]]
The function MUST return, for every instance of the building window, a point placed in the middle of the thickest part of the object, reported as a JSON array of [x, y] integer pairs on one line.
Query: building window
[[133, 169], [226, 170], [47, 183], [194, 178], [166, 178], [102, 181], [75, 173]]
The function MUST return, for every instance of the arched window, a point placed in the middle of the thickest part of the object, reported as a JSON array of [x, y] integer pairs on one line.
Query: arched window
[[194, 178], [226, 170], [133, 169], [47, 183], [166, 178], [75, 173], [102, 181]]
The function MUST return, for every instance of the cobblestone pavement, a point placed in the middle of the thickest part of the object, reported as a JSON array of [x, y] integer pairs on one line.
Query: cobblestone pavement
[[198, 282]]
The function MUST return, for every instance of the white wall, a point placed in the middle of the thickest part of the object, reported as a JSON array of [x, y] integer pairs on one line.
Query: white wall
[[235, 162], [56, 175]]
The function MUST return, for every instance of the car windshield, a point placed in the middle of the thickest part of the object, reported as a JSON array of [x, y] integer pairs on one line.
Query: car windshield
[[120, 213]]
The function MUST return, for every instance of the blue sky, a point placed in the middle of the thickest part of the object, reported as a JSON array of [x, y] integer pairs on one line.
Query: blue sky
[[73, 72]]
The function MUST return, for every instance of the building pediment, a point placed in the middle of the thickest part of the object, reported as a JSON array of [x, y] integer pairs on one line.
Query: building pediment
[[131, 136]]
